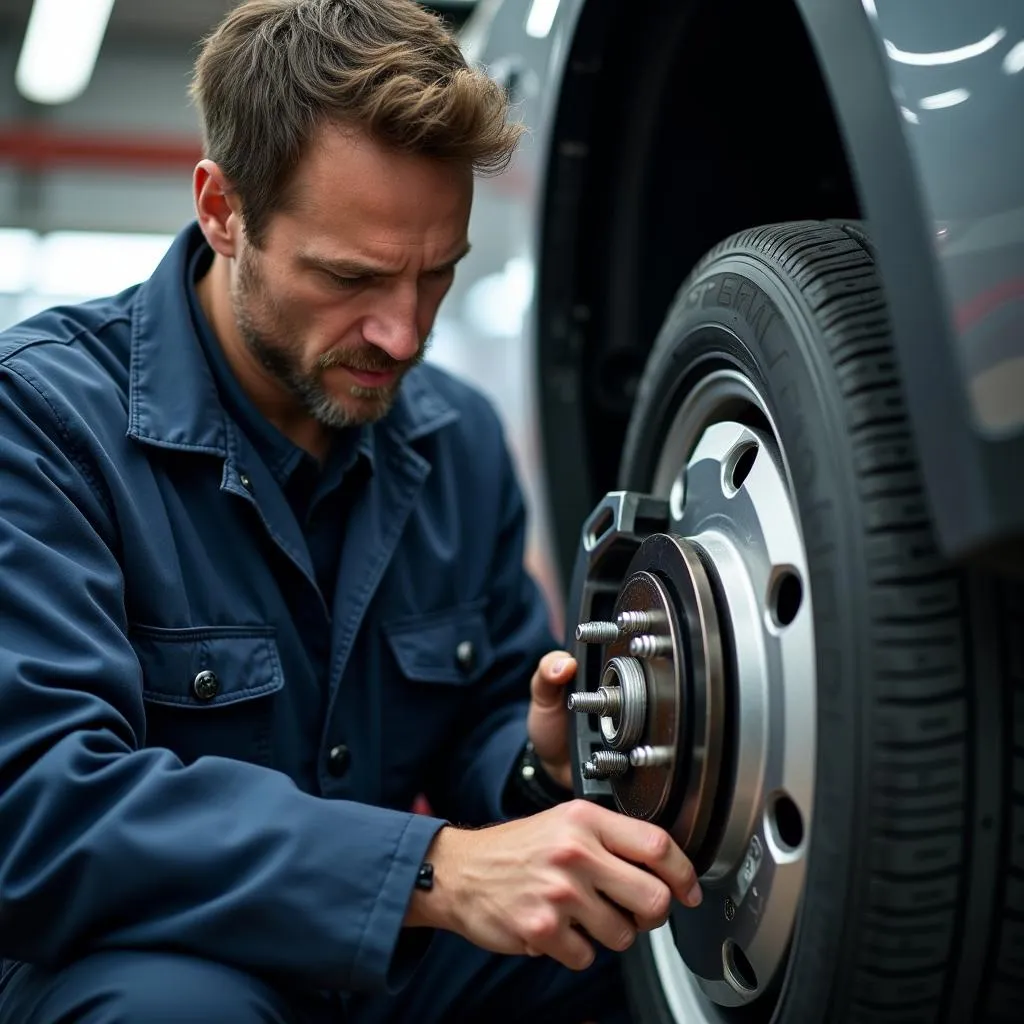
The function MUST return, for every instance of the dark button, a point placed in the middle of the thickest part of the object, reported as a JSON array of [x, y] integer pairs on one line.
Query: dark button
[[338, 760], [206, 686], [245, 481], [465, 655]]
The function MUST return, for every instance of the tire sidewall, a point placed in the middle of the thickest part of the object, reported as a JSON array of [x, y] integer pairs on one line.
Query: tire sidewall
[[772, 339]]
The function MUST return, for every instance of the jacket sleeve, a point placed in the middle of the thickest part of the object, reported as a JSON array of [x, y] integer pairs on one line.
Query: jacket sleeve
[[104, 843], [493, 729]]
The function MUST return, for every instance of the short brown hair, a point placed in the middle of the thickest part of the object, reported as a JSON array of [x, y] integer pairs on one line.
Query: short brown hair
[[275, 71]]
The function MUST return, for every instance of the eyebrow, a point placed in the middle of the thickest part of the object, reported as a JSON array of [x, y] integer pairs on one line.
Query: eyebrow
[[361, 268]]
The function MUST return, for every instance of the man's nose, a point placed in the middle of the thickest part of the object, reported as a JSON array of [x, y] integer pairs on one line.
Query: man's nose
[[393, 326]]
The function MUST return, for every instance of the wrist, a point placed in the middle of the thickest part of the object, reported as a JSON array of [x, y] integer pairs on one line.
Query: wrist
[[436, 907], [558, 775], [532, 786]]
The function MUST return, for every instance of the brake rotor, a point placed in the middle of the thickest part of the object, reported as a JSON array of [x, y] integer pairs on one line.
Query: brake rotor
[[662, 718]]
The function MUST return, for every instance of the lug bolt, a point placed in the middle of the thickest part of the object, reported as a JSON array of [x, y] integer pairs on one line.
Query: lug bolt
[[597, 632], [633, 622], [650, 757], [730, 909], [605, 700], [639, 621], [605, 764], [648, 646]]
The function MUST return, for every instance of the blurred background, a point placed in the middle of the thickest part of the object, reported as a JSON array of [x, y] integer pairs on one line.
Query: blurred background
[[98, 141]]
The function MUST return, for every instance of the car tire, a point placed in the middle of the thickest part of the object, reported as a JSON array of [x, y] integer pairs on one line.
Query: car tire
[[913, 901]]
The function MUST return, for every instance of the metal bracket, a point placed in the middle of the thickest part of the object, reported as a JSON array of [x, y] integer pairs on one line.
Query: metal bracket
[[610, 537]]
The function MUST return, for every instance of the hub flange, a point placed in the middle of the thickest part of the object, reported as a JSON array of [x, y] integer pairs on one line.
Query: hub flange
[[680, 709]]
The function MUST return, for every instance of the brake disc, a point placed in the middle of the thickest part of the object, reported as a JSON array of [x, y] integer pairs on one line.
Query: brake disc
[[660, 706]]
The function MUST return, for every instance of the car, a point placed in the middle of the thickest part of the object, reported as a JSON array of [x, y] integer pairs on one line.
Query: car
[[751, 298]]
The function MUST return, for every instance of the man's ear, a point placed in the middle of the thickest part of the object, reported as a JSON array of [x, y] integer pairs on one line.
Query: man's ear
[[216, 208]]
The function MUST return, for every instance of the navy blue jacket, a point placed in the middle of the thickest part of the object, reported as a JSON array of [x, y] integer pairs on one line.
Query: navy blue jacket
[[165, 769]]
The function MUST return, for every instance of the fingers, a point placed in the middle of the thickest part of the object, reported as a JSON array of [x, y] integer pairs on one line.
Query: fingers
[[554, 671], [607, 924], [642, 843], [639, 892], [554, 665], [550, 933]]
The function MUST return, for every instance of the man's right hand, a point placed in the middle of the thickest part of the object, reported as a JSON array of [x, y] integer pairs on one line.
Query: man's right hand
[[550, 883]]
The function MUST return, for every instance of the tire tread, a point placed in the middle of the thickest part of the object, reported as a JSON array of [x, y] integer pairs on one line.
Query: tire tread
[[913, 880]]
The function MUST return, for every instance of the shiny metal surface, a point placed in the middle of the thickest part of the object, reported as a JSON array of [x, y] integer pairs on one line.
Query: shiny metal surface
[[605, 764], [748, 533], [623, 727], [645, 794], [597, 632], [605, 700], [957, 74]]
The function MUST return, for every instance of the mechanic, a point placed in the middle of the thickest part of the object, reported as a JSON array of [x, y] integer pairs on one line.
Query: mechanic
[[263, 585]]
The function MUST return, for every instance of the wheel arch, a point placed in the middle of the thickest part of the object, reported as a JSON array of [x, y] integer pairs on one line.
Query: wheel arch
[[677, 125]]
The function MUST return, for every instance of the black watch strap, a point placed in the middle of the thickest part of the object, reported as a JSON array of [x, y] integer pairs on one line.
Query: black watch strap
[[531, 788]]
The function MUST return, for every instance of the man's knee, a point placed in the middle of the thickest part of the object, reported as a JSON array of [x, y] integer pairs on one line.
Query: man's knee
[[139, 988]]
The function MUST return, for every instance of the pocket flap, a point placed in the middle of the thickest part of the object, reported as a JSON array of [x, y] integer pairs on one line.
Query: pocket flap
[[207, 666], [451, 647]]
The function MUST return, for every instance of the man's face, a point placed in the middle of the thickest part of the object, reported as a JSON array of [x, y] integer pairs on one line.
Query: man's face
[[338, 302]]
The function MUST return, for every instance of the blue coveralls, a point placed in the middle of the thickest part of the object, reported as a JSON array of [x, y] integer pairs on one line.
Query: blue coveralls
[[225, 675]]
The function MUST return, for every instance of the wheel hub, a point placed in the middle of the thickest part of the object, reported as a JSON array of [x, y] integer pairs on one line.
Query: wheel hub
[[697, 687], [662, 691]]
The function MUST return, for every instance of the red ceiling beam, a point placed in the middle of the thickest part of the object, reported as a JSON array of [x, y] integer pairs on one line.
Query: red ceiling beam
[[33, 148]]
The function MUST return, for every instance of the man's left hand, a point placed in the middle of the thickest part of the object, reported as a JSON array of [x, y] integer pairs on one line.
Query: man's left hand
[[548, 720]]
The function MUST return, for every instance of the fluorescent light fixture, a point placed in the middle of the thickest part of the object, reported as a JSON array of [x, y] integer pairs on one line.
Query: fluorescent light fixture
[[942, 100], [541, 18], [939, 57], [88, 263], [61, 44], [17, 259], [1013, 62]]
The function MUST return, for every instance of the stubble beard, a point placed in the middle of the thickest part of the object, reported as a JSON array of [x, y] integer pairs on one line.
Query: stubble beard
[[278, 351]]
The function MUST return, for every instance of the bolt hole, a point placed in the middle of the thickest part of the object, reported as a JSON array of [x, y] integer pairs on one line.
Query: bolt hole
[[787, 823], [787, 595], [739, 972], [742, 463]]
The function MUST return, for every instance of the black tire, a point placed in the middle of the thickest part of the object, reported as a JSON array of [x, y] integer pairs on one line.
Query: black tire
[[913, 908]]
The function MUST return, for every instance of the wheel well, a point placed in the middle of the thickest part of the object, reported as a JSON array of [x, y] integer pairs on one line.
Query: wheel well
[[679, 123]]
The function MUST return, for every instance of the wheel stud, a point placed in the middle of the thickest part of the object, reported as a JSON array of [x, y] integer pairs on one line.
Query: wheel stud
[[597, 632], [650, 757], [634, 622], [605, 764], [649, 646], [605, 700]]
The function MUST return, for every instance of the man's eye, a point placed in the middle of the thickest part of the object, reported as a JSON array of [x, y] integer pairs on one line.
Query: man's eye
[[341, 281]]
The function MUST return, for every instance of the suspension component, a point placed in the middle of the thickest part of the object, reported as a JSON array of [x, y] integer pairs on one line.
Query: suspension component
[[623, 729]]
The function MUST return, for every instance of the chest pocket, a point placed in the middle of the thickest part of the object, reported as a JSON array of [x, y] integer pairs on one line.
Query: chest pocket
[[210, 690], [439, 661]]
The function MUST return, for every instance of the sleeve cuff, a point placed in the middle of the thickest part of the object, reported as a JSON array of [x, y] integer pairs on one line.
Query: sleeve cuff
[[388, 956]]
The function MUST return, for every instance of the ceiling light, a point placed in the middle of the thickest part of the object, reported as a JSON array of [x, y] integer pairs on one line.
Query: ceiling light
[[61, 44], [942, 100], [541, 18], [928, 60]]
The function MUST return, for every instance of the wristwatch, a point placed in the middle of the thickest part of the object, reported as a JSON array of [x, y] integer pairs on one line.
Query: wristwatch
[[531, 788]]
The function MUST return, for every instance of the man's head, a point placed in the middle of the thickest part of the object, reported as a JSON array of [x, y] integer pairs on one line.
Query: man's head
[[341, 139]]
